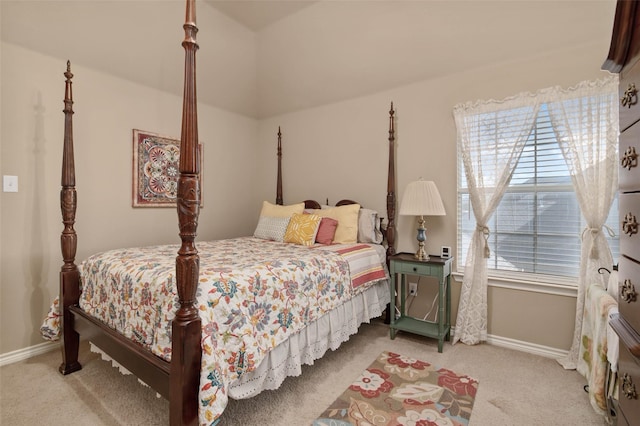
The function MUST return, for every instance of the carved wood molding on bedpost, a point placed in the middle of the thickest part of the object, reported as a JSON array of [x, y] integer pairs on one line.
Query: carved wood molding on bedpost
[[69, 276], [279, 199], [186, 326], [391, 189]]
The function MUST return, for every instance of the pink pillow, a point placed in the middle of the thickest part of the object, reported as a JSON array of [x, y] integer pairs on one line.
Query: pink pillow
[[326, 230]]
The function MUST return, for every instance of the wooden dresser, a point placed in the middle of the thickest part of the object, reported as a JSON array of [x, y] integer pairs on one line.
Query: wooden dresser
[[624, 58]]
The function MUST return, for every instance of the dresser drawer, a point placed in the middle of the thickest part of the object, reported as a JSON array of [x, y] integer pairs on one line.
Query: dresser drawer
[[628, 385], [629, 105], [629, 177], [628, 288], [629, 226]]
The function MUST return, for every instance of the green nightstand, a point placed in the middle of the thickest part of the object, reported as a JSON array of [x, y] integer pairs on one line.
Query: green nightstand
[[404, 264]]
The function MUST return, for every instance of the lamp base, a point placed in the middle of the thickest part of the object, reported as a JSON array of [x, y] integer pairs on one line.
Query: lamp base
[[421, 254]]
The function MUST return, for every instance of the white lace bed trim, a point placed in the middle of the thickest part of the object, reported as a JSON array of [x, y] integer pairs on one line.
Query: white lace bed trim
[[310, 344]]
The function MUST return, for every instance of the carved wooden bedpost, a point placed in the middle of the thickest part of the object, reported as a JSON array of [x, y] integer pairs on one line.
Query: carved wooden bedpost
[[279, 199], [391, 201], [69, 275], [391, 189], [186, 327]]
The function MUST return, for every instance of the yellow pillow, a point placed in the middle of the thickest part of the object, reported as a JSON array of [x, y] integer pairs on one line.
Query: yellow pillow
[[302, 229], [347, 217], [274, 210]]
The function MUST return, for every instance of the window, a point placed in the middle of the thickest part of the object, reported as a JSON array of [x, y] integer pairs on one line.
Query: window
[[537, 226]]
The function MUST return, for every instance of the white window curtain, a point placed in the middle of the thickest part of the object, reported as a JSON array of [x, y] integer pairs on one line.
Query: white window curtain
[[585, 121], [491, 137]]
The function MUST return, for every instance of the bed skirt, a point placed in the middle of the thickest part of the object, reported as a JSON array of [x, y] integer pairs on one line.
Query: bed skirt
[[310, 344]]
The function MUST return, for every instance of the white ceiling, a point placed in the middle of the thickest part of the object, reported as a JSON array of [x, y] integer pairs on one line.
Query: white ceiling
[[289, 55], [338, 50], [257, 14]]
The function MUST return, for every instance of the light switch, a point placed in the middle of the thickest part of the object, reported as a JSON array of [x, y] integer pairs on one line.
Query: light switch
[[10, 183]]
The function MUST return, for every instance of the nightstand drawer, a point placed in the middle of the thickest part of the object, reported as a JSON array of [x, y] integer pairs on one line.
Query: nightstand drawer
[[421, 269]]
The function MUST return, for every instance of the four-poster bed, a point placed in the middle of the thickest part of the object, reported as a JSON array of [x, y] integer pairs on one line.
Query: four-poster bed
[[178, 369]]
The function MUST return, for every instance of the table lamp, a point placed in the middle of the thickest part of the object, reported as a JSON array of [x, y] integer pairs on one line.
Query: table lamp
[[421, 198]]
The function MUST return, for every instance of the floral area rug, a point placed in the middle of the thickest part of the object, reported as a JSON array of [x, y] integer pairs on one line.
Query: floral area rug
[[398, 390]]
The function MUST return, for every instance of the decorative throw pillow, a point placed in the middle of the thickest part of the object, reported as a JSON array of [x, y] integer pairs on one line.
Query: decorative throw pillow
[[326, 230], [272, 228], [275, 210], [302, 229], [369, 227], [347, 217]]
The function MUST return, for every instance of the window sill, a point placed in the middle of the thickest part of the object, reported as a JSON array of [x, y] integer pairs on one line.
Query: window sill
[[560, 287]]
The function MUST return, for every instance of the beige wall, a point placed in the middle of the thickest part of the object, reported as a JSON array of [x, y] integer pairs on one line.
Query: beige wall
[[106, 111], [341, 150]]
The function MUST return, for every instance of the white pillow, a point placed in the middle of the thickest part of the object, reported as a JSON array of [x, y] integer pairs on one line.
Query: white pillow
[[271, 228], [369, 227]]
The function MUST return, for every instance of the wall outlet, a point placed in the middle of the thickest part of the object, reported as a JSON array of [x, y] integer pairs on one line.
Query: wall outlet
[[413, 289]]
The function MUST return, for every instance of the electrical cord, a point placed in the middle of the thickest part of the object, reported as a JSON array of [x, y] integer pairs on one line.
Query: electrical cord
[[433, 304]]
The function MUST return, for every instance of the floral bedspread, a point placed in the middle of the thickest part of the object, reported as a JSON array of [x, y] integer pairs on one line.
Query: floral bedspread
[[253, 294]]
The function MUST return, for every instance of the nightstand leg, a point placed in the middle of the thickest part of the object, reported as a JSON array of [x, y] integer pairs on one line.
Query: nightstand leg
[[391, 307]]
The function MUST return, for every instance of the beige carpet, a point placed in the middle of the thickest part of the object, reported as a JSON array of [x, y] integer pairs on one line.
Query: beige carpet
[[516, 388]]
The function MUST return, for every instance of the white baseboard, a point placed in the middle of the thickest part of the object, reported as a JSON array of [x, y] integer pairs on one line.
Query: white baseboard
[[522, 346], [532, 348], [505, 342], [25, 353]]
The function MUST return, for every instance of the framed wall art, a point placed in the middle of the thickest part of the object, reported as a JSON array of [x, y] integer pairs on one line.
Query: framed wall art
[[156, 169]]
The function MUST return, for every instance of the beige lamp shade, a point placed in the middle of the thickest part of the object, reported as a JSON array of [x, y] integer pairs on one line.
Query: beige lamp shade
[[421, 198]]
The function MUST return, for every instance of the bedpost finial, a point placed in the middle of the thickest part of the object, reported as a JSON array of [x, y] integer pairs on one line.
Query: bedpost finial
[[391, 111], [68, 73], [279, 142]]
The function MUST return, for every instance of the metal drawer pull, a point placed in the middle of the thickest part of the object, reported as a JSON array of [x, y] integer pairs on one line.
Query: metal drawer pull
[[628, 291], [630, 96], [629, 158], [628, 388], [629, 224]]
